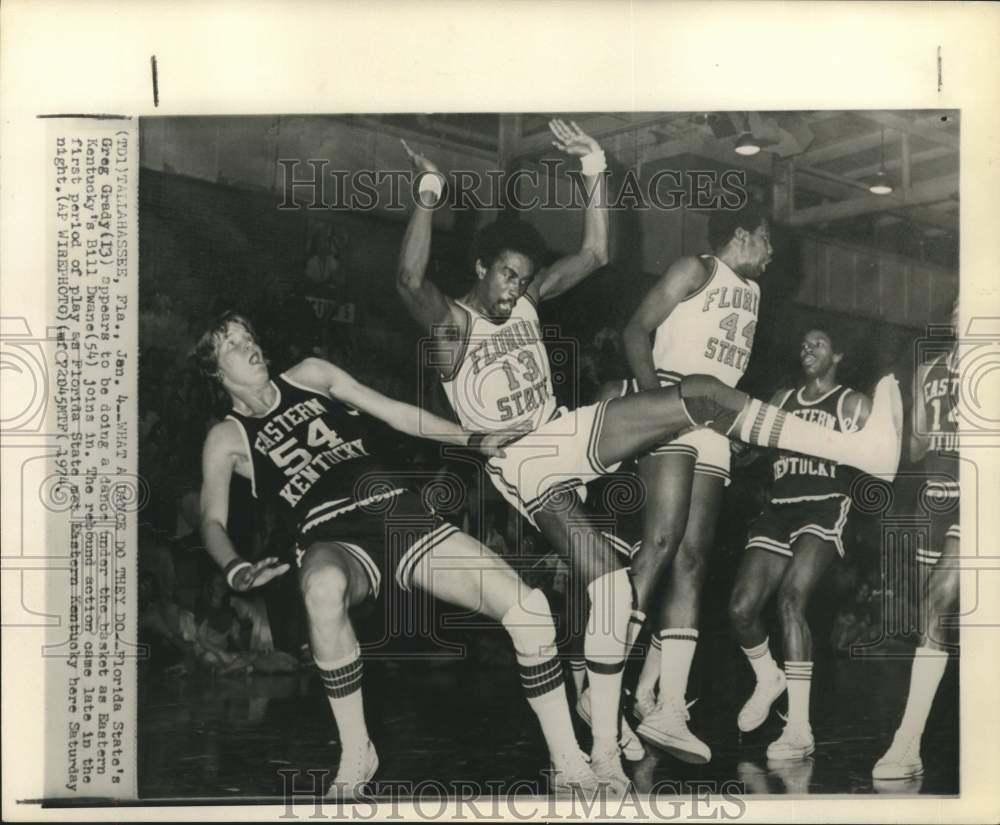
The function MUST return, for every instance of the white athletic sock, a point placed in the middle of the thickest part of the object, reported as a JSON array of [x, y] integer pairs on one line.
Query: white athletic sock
[[799, 676], [765, 425], [578, 668], [678, 644], [604, 649], [529, 624], [761, 661], [650, 673], [635, 623], [929, 665], [342, 682]]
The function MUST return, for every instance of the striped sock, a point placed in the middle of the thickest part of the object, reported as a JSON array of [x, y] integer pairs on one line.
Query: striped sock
[[342, 682], [635, 623], [761, 661], [678, 644], [545, 688], [765, 425], [799, 676], [650, 673], [604, 649]]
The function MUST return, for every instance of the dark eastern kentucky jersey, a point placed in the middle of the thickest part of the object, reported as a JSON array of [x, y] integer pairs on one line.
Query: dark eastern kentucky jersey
[[804, 478], [940, 391], [309, 450]]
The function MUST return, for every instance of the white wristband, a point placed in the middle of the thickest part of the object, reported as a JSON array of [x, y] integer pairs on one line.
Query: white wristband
[[594, 163], [430, 182], [231, 575]]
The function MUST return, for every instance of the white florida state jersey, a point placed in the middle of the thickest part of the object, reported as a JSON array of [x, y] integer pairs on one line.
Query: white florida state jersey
[[503, 377], [711, 331]]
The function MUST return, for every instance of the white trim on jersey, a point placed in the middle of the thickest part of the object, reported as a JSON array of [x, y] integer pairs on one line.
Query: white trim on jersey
[[771, 545], [420, 548], [928, 557], [322, 393], [302, 387], [318, 514], [618, 544], [797, 499], [815, 401], [246, 443]]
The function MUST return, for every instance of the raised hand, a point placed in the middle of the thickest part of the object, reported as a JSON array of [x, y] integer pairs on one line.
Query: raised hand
[[259, 574], [420, 162], [571, 139]]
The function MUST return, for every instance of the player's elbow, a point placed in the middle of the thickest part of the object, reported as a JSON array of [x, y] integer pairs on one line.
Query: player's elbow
[[408, 282]]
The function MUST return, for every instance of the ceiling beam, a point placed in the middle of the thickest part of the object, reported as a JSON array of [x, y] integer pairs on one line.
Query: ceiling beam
[[916, 128], [840, 148], [927, 192], [508, 137], [721, 151], [374, 124], [862, 143], [933, 153]]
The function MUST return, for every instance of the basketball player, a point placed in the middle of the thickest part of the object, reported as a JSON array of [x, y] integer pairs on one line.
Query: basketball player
[[934, 441], [703, 314], [303, 441], [791, 545], [492, 359]]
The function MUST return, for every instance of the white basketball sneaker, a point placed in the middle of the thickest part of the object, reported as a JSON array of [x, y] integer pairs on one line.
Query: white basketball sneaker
[[645, 704], [571, 772], [607, 765], [666, 727], [795, 742], [878, 443], [902, 760], [631, 747], [758, 706], [357, 766]]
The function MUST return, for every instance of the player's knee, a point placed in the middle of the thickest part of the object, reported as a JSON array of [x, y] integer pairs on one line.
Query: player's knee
[[711, 403], [611, 595], [664, 544], [529, 623], [325, 590], [690, 561], [791, 605], [741, 609]]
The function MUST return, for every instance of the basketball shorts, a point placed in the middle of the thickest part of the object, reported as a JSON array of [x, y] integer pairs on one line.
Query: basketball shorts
[[553, 462], [387, 534], [710, 450], [777, 528], [940, 500]]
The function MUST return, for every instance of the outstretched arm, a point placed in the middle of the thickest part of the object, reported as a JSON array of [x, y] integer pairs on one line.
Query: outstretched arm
[[568, 271], [324, 377], [426, 303], [218, 461], [682, 278]]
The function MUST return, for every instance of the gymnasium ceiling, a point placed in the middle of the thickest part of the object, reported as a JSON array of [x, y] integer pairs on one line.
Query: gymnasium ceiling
[[814, 167]]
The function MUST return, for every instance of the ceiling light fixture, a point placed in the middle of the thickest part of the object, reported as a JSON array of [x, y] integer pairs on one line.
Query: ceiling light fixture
[[881, 184]]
